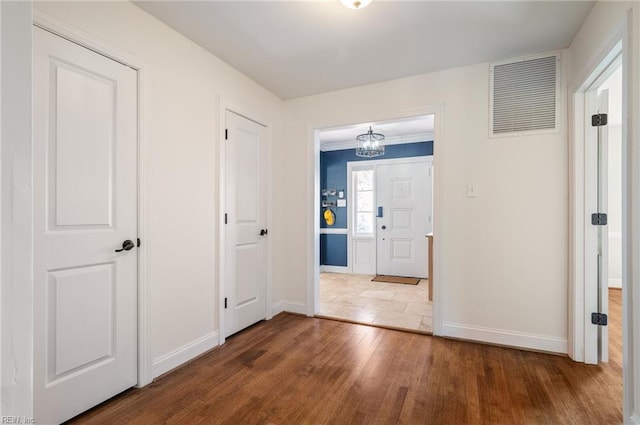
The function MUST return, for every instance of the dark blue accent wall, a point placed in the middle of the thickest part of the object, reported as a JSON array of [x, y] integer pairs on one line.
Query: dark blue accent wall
[[333, 175]]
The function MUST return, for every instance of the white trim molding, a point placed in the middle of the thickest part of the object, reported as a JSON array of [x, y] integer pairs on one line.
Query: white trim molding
[[505, 337], [187, 352], [16, 396]]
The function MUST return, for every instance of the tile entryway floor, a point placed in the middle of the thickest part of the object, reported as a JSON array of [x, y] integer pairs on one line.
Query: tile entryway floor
[[356, 298]]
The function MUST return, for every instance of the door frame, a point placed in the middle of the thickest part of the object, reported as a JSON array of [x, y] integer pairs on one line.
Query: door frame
[[583, 272], [16, 229], [312, 305], [373, 164], [591, 197], [581, 173], [58, 27], [225, 105]]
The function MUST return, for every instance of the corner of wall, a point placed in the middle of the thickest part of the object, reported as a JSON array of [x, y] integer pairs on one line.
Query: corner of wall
[[283, 306], [184, 354]]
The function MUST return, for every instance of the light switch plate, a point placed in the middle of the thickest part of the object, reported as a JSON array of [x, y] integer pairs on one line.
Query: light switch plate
[[472, 190]]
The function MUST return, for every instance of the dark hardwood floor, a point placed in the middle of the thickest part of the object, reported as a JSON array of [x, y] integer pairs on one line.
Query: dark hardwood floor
[[298, 370]]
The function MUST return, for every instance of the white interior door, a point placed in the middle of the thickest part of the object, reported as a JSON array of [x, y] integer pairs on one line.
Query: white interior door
[[603, 237], [403, 192], [246, 223], [85, 206]]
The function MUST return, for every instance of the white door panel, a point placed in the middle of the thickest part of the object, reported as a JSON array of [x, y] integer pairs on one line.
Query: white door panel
[[245, 188], [85, 206], [83, 130], [403, 190], [364, 255]]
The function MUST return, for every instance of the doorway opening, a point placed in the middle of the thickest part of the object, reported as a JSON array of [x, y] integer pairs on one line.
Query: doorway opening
[[374, 218]]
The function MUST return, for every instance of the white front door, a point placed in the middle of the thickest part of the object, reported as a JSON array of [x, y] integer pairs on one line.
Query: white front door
[[85, 206], [245, 223], [404, 200]]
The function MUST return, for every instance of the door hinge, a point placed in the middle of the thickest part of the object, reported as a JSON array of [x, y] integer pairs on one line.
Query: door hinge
[[225, 218], [599, 319], [225, 302], [599, 219], [226, 134], [138, 242], [598, 120]]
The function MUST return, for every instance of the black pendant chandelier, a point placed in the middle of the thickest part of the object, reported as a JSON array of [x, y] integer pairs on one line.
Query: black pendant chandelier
[[370, 144]]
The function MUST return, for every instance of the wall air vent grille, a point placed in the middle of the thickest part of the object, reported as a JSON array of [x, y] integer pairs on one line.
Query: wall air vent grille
[[524, 95]]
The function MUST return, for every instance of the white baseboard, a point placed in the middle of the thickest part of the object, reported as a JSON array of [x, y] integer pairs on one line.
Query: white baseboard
[[334, 269], [175, 358], [615, 283], [276, 308], [290, 307], [505, 337]]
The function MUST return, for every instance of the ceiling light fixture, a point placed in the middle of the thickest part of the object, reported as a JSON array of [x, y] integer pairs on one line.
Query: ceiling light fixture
[[370, 144], [356, 4]]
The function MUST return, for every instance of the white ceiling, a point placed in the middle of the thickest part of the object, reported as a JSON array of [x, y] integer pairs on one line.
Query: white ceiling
[[406, 130], [300, 48]]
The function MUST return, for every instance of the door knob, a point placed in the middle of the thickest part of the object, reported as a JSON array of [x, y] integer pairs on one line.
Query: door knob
[[126, 246], [263, 232], [383, 227]]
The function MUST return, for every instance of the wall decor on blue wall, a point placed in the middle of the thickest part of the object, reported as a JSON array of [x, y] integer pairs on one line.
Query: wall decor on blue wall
[[333, 175]]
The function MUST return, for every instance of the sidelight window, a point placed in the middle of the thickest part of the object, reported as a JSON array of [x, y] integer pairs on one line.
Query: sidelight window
[[363, 190]]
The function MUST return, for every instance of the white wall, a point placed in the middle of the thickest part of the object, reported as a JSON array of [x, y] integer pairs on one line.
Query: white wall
[[587, 50], [16, 191], [504, 254], [182, 206], [614, 210]]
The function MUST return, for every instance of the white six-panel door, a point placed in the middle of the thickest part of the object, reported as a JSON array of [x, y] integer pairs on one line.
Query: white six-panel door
[[85, 206], [245, 202], [403, 190]]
